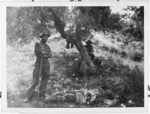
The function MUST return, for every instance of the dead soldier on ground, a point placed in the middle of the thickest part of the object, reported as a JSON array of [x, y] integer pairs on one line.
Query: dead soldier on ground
[[42, 68]]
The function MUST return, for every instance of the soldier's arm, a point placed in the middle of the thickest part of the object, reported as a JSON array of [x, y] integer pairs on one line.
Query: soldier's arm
[[38, 50], [49, 53]]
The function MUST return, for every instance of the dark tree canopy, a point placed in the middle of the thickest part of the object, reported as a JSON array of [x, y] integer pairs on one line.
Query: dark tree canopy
[[139, 18], [100, 15]]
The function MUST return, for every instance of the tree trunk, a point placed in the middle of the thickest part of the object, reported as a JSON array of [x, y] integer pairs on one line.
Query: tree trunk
[[83, 52], [60, 25]]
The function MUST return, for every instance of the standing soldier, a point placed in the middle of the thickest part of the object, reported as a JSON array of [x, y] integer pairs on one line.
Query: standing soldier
[[42, 68]]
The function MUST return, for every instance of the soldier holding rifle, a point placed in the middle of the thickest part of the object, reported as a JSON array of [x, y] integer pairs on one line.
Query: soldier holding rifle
[[41, 71]]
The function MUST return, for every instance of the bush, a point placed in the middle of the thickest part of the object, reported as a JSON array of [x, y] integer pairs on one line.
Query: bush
[[136, 56], [119, 84], [137, 77]]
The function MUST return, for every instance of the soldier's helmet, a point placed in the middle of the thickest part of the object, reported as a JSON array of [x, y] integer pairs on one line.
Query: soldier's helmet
[[44, 34]]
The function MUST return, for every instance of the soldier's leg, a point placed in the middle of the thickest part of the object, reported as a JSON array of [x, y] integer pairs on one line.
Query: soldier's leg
[[34, 82], [44, 80]]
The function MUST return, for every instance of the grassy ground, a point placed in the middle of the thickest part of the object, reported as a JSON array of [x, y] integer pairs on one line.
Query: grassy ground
[[117, 73]]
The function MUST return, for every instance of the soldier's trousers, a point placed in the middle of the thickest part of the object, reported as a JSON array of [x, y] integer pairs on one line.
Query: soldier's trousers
[[45, 74]]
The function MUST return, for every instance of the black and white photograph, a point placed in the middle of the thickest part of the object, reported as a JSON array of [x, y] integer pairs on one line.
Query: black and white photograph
[[75, 56]]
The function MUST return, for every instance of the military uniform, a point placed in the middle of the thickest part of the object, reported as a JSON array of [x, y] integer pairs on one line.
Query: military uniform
[[42, 67], [89, 48]]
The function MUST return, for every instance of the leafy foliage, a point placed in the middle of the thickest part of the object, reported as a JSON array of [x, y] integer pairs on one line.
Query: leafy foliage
[[18, 24], [139, 18], [100, 15], [25, 23], [103, 18], [139, 11]]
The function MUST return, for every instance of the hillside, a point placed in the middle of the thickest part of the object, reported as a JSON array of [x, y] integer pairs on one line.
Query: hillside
[[119, 71]]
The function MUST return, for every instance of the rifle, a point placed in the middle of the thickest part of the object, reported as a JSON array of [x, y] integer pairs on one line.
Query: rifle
[[85, 76], [39, 81]]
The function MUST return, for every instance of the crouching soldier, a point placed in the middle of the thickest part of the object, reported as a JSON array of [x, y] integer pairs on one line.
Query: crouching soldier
[[42, 68], [89, 48], [90, 51]]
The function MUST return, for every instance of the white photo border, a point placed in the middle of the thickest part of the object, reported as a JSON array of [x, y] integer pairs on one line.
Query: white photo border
[[74, 110]]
